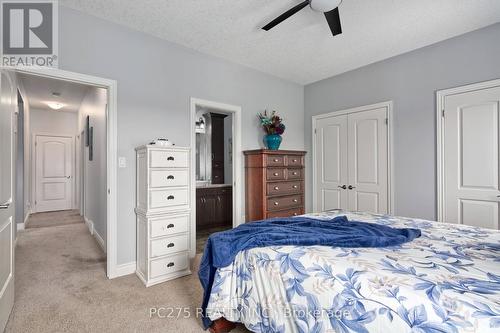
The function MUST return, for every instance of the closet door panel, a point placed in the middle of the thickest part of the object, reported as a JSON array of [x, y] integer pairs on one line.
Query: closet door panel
[[368, 161]]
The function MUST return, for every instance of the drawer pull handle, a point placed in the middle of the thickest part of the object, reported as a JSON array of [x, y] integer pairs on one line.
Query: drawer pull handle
[[295, 200], [276, 160], [295, 186], [294, 160], [276, 174], [295, 214], [276, 188], [170, 245], [170, 197], [170, 226], [294, 173], [170, 264], [170, 177], [170, 158], [276, 203]]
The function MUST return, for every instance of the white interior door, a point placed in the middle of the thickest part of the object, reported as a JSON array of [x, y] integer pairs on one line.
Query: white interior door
[[471, 164], [53, 173], [8, 100], [331, 163], [368, 161]]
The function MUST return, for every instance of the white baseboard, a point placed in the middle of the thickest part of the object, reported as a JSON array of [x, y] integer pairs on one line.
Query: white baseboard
[[124, 269], [100, 241], [93, 232]]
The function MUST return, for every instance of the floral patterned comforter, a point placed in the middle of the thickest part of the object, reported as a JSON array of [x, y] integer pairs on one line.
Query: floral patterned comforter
[[448, 280]]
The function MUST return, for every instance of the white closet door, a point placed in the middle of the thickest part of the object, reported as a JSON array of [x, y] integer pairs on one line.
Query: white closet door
[[368, 161], [7, 108], [331, 163], [471, 165]]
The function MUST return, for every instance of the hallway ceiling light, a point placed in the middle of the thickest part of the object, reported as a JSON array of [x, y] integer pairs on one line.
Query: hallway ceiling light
[[55, 105]]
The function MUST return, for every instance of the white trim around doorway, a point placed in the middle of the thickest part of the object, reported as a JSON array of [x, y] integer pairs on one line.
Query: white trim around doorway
[[390, 134], [113, 269], [238, 218]]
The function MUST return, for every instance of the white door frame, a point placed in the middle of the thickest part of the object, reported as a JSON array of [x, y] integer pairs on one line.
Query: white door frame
[[390, 167], [111, 86], [440, 99], [237, 169], [33, 166]]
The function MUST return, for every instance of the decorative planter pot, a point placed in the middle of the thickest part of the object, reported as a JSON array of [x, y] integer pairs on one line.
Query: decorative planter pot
[[272, 141]]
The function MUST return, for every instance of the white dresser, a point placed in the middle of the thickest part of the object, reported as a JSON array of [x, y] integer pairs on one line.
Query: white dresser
[[163, 211]]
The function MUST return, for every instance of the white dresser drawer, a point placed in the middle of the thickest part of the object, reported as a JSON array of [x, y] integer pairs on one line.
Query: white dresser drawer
[[168, 198], [168, 265], [168, 159], [166, 178], [163, 246], [168, 225]]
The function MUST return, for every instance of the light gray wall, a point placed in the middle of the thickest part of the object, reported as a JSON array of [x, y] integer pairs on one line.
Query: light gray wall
[[48, 121], [410, 80], [155, 82], [94, 105]]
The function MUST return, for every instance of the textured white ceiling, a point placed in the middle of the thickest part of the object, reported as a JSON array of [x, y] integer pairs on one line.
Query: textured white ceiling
[[301, 49], [39, 91]]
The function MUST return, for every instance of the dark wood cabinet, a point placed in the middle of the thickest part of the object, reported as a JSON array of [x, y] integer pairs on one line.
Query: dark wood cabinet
[[214, 207], [218, 148], [274, 183]]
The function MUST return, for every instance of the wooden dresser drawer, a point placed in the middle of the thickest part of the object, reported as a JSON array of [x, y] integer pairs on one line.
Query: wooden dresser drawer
[[167, 178], [286, 213], [168, 159], [283, 188], [295, 161], [275, 174], [294, 174], [164, 246], [169, 265], [168, 225], [275, 160], [168, 198], [281, 203]]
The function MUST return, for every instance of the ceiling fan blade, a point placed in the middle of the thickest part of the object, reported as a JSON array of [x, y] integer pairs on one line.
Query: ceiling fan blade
[[333, 19], [285, 15]]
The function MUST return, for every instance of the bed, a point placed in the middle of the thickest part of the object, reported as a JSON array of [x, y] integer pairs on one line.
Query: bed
[[448, 280]]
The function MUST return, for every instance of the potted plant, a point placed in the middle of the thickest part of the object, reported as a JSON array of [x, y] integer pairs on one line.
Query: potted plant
[[274, 128]]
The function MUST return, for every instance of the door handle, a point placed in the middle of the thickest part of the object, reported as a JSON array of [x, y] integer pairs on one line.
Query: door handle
[[5, 205], [343, 187], [351, 187]]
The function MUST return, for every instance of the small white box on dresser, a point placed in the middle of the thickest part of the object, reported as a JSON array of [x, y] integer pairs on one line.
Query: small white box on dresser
[[163, 211]]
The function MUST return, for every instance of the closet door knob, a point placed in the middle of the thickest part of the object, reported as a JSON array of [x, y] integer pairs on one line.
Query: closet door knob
[[343, 187], [351, 187]]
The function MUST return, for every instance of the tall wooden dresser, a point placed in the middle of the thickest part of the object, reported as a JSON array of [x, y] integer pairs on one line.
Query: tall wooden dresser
[[274, 183], [163, 211]]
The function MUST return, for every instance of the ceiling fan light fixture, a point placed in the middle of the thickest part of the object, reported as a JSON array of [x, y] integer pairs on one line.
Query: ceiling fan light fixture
[[324, 5]]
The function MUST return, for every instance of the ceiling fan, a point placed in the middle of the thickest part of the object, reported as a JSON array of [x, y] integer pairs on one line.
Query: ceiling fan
[[329, 7]]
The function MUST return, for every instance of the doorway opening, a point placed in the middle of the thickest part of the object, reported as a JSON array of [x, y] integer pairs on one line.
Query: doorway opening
[[65, 126], [216, 169]]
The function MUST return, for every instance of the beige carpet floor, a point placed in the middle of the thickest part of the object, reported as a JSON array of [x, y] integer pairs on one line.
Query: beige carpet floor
[[51, 219], [61, 286]]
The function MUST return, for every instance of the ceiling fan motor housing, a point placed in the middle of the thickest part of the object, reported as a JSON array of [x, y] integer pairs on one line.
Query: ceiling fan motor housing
[[324, 5]]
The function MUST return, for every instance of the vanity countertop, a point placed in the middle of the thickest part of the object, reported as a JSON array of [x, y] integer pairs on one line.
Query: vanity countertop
[[205, 185]]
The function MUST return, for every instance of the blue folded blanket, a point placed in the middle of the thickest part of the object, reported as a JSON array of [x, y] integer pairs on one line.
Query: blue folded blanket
[[222, 247]]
